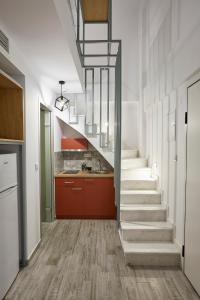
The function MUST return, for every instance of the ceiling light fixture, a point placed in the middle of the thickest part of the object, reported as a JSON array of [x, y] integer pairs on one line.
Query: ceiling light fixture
[[61, 102]]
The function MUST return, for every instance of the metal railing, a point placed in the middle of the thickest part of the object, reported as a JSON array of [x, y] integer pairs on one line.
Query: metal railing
[[118, 110]]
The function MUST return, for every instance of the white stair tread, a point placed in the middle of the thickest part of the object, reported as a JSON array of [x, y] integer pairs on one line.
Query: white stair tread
[[150, 248], [140, 173], [134, 159], [141, 169], [142, 179], [144, 207], [133, 163], [140, 192], [125, 150], [129, 153], [146, 225]]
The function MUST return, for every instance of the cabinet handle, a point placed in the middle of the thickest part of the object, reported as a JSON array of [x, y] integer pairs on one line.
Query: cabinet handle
[[68, 182], [77, 189]]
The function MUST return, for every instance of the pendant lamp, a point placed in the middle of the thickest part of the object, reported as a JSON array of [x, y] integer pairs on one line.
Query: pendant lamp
[[61, 102]]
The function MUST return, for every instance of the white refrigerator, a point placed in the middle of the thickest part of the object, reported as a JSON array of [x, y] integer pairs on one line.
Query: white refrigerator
[[9, 222]]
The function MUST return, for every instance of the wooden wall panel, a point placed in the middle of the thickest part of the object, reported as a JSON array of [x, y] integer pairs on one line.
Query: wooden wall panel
[[11, 113], [95, 10]]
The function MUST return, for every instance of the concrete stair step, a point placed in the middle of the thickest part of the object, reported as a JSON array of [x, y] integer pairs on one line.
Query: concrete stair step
[[133, 163], [147, 231], [129, 153], [143, 213], [138, 184], [151, 254], [140, 197], [140, 173]]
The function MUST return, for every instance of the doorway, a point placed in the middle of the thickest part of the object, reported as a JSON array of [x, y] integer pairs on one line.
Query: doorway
[[192, 221], [46, 166]]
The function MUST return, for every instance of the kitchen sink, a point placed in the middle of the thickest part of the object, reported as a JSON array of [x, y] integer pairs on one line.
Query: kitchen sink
[[71, 172]]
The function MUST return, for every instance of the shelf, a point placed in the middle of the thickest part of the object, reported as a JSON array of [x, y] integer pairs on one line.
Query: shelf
[[9, 141], [11, 111], [95, 10], [7, 82]]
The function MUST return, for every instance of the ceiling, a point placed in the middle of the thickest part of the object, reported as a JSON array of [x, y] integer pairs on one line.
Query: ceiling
[[36, 30]]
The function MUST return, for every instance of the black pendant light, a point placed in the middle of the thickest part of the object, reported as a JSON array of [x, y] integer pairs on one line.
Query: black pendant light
[[61, 102]]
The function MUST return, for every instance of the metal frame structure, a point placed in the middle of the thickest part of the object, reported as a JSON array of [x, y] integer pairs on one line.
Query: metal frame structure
[[102, 145], [108, 54], [118, 131], [117, 65], [87, 125], [76, 115], [83, 42]]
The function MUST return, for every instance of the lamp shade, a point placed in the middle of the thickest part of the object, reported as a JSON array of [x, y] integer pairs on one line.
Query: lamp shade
[[61, 103]]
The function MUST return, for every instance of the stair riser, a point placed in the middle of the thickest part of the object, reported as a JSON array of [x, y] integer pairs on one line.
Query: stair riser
[[144, 216], [160, 260], [141, 173], [138, 185], [125, 165], [129, 154], [142, 235], [141, 199]]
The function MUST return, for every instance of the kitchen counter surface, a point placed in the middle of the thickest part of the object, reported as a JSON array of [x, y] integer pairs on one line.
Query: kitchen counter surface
[[82, 174]]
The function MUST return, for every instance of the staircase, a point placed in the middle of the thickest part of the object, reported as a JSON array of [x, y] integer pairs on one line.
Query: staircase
[[146, 235], [77, 121]]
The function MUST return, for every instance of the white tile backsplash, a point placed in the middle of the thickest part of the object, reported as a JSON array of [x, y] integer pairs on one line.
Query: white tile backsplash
[[73, 164]]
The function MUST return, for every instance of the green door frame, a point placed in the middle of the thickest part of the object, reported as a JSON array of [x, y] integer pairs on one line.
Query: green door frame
[[47, 165]]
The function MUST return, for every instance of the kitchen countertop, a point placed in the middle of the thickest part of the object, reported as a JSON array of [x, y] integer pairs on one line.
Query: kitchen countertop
[[82, 174]]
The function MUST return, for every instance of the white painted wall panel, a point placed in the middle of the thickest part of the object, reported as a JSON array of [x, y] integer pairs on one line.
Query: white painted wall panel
[[172, 46]]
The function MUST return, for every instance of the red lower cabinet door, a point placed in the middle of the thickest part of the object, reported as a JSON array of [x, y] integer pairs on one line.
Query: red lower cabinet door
[[69, 202], [99, 198], [89, 198]]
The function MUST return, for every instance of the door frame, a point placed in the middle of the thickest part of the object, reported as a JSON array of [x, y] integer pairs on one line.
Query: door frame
[[191, 81], [182, 108], [49, 110]]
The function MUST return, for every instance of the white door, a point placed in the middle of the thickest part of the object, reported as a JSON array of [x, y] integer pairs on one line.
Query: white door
[[192, 225]]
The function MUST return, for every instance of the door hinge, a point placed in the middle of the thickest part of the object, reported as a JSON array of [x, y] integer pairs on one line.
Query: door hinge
[[186, 117], [183, 251]]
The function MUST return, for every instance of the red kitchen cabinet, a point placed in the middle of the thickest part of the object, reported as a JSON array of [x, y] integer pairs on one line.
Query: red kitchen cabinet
[[69, 198], [85, 198], [74, 144], [99, 198]]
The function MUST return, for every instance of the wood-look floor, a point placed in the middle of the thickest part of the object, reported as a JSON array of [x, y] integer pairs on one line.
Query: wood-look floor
[[83, 260]]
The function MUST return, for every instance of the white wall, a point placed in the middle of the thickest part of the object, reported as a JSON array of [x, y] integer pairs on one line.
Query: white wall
[[34, 93], [129, 125], [125, 27], [169, 54], [62, 130]]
